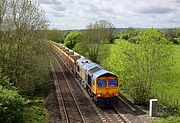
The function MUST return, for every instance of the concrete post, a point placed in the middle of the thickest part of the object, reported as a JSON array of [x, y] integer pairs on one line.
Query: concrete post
[[153, 107]]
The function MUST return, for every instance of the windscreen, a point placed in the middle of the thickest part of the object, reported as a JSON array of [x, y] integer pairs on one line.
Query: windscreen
[[101, 83], [113, 83]]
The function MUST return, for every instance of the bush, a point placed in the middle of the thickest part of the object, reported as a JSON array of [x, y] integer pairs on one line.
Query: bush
[[72, 38], [4, 81], [56, 35], [37, 114], [12, 106]]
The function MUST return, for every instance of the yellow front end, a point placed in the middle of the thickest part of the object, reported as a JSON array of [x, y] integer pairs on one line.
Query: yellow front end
[[104, 89], [107, 92]]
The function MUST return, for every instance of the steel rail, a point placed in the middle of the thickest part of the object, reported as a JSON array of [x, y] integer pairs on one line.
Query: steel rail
[[124, 120], [70, 89], [59, 95]]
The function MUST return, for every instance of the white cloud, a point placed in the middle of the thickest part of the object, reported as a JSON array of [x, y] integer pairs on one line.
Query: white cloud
[[71, 14]]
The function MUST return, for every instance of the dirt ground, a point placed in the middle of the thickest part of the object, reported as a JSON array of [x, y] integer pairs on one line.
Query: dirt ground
[[51, 102]]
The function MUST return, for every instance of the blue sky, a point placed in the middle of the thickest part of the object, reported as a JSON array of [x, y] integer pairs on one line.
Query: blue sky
[[77, 14]]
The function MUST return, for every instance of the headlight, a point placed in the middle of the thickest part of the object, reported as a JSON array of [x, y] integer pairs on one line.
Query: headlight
[[116, 94], [99, 95]]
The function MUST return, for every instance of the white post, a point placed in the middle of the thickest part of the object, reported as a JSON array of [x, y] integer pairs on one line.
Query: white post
[[153, 107]]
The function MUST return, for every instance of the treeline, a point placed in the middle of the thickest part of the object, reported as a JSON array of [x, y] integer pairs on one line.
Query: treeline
[[24, 58], [88, 42], [92, 41], [173, 35], [56, 35]]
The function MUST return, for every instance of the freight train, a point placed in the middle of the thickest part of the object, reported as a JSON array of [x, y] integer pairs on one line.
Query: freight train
[[100, 83]]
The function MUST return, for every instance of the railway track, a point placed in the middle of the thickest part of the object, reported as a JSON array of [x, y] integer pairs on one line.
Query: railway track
[[112, 115], [106, 116], [68, 105], [88, 111]]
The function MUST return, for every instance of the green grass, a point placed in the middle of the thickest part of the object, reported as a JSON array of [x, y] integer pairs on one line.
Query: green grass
[[170, 119], [37, 112], [177, 59]]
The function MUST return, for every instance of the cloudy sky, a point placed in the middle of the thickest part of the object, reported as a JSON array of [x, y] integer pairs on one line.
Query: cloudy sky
[[76, 14]]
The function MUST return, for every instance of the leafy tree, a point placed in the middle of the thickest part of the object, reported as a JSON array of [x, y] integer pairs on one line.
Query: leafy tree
[[72, 38], [56, 35], [24, 57], [141, 65], [128, 34], [149, 61], [109, 27], [92, 47], [23, 48], [174, 35]]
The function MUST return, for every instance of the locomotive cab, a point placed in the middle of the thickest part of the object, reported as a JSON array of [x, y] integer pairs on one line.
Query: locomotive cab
[[105, 85]]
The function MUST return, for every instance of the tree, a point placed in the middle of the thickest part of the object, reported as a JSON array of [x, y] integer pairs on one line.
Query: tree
[[12, 105], [148, 62], [128, 34], [96, 36], [56, 35], [23, 48], [174, 35], [141, 65], [109, 27], [72, 38]]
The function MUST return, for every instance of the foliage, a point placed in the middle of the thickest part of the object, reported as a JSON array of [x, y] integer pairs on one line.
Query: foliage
[[4, 80], [106, 27], [23, 49], [148, 62], [170, 119], [174, 35], [92, 47], [128, 34], [115, 62], [12, 106], [142, 65], [56, 35], [36, 114], [168, 93], [72, 38], [24, 58]]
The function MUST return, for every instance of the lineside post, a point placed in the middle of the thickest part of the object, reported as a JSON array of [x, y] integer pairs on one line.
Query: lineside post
[[153, 107]]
